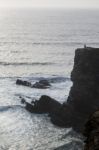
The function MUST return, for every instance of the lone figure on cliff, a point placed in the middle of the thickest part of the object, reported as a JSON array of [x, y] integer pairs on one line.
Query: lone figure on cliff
[[85, 46]]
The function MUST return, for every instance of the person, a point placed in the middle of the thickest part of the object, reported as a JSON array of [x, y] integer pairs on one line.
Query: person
[[85, 46]]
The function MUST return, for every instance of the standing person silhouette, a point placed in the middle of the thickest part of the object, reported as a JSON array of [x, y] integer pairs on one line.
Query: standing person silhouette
[[85, 46]]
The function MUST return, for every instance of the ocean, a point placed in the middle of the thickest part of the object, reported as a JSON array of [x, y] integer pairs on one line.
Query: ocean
[[39, 44]]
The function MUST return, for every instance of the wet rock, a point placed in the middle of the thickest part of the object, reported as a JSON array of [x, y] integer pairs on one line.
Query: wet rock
[[92, 132], [42, 84], [24, 83], [62, 117], [44, 105]]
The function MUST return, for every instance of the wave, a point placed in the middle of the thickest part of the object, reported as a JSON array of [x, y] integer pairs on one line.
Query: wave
[[35, 78], [25, 63], [68, 43], [6, 108], [38, 77], [36, 43], [51, 79], [58, 79]]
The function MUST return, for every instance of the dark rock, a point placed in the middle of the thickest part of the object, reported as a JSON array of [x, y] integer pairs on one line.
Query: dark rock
[[24, 83], [84, 94], [92, 132], [42, 84], [22, 100], [44, 105], [83, 98], [62, 117]]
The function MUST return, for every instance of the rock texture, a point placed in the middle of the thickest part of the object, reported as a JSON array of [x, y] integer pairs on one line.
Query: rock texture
[[92, 132], [84, 94], [24, 83], [83, 98], [42, 84], [45, 104]]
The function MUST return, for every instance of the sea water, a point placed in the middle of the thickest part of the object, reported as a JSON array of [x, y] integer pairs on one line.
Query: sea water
[[39, 44]]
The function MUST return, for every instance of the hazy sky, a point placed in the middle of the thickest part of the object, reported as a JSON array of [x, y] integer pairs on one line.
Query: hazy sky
[[50, 3]]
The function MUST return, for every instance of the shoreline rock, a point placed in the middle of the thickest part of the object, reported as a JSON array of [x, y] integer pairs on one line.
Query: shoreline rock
[[45, 104], [42, 84]]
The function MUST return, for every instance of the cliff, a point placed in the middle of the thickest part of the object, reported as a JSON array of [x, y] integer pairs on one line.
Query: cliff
[[83, 98], [84, 94]]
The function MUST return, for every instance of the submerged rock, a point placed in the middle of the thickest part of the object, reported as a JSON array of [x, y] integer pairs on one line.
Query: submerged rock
[[42, 84], [24, 83]]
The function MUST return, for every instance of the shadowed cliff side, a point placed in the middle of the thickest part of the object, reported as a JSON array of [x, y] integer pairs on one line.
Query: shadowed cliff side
[[83, 98], [84, 94], [92, 132]]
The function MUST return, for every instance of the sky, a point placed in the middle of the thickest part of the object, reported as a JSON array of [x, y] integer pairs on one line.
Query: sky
[[50, 3]]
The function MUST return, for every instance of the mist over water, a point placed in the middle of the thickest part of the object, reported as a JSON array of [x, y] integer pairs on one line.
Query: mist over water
[[39, 44]]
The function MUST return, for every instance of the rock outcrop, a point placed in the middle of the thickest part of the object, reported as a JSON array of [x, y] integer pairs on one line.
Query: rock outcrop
[[83, 98], [42, 84], [84, 94], [45, 104], [91, 132], [24, 83]]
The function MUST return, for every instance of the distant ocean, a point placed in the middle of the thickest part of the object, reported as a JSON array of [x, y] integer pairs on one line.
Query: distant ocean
[[39, 44]]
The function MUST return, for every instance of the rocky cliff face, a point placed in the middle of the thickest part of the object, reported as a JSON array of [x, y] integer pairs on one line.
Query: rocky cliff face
[[84, 94], [92, 132]]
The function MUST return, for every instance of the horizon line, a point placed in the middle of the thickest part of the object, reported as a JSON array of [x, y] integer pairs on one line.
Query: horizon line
[[49, 7]]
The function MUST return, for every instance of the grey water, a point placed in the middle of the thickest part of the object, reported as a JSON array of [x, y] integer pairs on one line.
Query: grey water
[[39, 44]]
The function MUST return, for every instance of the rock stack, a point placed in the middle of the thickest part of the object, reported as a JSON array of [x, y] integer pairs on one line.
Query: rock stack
[[84, 94], [83, 98]]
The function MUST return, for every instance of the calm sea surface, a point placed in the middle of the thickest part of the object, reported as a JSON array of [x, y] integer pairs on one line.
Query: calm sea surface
[[39, 44]]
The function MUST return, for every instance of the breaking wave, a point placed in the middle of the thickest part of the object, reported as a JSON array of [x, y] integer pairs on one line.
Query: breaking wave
[[25, 63]]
